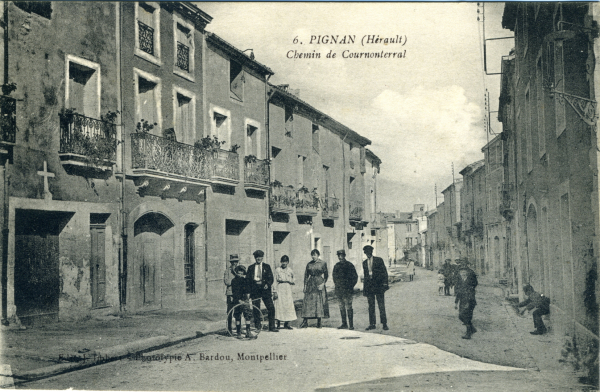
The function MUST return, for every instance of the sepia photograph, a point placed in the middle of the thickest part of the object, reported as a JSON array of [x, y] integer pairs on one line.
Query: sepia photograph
[[299, 196]]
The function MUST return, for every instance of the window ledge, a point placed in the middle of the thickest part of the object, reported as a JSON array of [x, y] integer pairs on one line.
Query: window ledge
[[186, 75], [148, 57]]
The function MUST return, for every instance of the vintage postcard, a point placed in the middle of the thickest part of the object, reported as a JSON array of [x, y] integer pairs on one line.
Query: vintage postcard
[[349, 196]]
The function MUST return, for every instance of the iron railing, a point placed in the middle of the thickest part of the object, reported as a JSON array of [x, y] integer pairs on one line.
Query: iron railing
[[283, 199], [8, 119], [183, 57], [226, 165], [257, 173], [88, 137], [330, 207], [146, 38], [307, 203], [153, 152], [356, 210]]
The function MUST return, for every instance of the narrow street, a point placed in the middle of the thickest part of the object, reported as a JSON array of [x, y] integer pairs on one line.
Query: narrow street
[[423, 350]]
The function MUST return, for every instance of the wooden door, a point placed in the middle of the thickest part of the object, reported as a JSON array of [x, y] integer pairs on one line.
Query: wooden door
[[36, 275], [98, 266], [148, 271]]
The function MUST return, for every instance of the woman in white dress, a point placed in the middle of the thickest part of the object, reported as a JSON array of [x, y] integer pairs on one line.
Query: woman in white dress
[[284, 305]]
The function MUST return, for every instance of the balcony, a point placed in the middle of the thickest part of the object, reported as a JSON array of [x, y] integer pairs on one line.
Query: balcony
[[330, 207], [86, 142], [307, 203], [155, 157], [226, 168], [283, 199], [256, 174], [356, 210], [8, 124]]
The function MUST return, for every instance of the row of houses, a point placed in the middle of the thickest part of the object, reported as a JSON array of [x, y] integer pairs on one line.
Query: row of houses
[[528, 213], [139, 151]]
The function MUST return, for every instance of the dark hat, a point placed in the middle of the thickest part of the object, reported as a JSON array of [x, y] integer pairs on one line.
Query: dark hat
[[234, 258], [464, 267], [368, 248], [341, 252], [240, 268], [258, 253]]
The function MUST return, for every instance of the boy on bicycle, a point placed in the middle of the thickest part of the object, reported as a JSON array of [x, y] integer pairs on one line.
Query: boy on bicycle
[[240, 288]]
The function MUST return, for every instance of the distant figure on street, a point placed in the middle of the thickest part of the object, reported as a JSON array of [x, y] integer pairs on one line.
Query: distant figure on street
[[315, 295], [374, 287], [448, 275], [465, 298], [240, 288], [227, 278], [284, 305], [410, 268], [541, 304], [261, 279], [441, 284], [345, 278]]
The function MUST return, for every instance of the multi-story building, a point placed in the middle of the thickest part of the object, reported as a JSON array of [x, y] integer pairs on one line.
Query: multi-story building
[[473, 208], [148, 151], [452, 219], [549, 116]]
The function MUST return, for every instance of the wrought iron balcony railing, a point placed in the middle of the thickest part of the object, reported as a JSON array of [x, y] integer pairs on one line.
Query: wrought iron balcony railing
[[257, 173], [330, 207], [146, 38], [163, 156], [307, 203], [356, 210], [8, 119], [226, 167], [283, 199], [183, 57], [88, 137]]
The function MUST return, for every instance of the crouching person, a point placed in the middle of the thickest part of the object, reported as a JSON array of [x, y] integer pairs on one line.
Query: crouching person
[[240, 289], [540, 303]]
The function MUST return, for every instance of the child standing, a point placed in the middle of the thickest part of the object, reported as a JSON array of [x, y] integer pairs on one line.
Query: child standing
[[240, 288], [440, 279]]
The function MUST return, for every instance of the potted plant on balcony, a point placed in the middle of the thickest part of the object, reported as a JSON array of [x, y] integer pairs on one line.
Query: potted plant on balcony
[[249, 160], [210, 144], [8, 88]]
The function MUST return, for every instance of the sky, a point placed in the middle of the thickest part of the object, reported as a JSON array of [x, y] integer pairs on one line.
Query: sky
[[424, 112]]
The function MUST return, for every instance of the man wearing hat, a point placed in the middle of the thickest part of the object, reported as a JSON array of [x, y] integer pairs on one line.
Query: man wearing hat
[[227, 278], [260, 277], [375, 285], [345, 278], [465, 297]]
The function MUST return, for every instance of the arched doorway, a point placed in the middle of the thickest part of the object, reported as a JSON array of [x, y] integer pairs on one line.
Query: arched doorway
[[153, 257], [535, 271]]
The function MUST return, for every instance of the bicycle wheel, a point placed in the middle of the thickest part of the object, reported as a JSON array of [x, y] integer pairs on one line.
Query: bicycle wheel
[[243, 320]]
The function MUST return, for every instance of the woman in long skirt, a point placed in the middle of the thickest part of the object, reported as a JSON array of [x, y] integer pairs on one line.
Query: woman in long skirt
[[284, 305], [315, 296]]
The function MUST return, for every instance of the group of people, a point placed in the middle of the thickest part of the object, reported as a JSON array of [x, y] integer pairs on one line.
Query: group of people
[[259, 283]]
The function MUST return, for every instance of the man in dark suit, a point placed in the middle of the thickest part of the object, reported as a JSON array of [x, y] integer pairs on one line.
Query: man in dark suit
[[261, 279], [374, 286], [345, 278]]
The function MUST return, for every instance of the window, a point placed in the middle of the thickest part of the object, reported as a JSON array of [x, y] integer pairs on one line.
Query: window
[[221, 125], [184, 118], [559, 82], [253, 138], [147, 31], [315, 137], [289, 121], [326, 181], [147, 88], [189, 265], [409, 227], [41, 8], [541, 128], [83, 86], [183, 48], [236, 80], [528, 137]]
